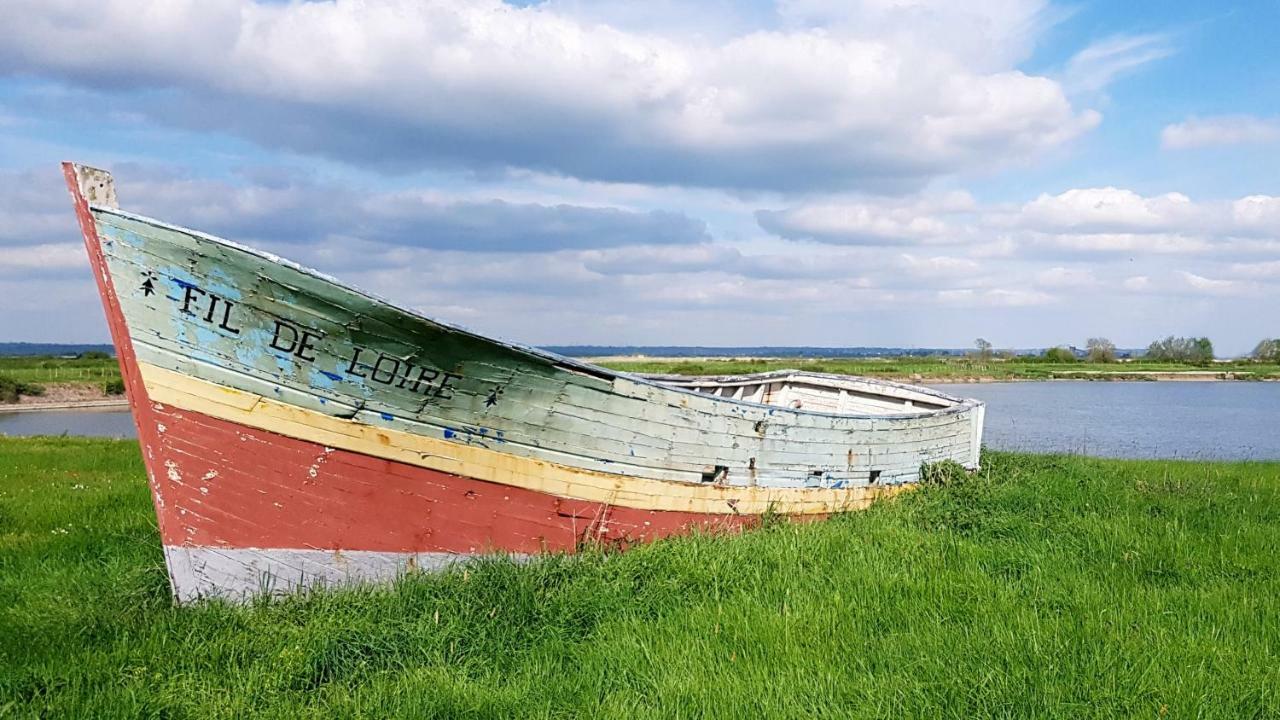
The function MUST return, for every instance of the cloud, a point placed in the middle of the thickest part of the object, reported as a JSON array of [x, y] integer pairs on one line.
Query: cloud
[[1257, 214], [1108, 209], [1080, 222], [938, 266], [1110, 219], [1136, 283], [35, 208], [497, 225], [292, 209], [877, 221], [995, 297], [1210, 286], [1061, 277], [1102, 62], [989, 35], [650, 260], [22, 259], [1258, 270], [1129, 244], [1220, 130], [401, 85]]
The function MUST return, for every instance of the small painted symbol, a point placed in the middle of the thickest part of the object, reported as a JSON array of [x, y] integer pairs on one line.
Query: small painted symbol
[[149, 285], [493, 397]]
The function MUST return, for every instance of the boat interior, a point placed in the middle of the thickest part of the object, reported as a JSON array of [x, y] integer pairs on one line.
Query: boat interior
[[816, 392]]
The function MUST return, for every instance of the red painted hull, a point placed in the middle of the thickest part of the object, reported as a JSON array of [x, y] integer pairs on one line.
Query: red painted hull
[[224, 485]]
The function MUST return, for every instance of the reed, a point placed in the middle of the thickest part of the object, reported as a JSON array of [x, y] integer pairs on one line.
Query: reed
[[1042, 586]]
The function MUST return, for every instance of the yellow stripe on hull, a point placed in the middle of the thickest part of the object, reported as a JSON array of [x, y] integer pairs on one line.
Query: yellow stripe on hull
[[261, 413]]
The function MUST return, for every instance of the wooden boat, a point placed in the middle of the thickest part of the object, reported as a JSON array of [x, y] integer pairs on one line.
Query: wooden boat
[[298, 432]]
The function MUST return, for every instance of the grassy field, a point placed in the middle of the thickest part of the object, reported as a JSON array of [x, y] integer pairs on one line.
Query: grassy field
[[40, 370], [1042, 587], [937, 368]]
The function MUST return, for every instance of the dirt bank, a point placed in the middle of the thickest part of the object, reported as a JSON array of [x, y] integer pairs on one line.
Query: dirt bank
[[64, 396]]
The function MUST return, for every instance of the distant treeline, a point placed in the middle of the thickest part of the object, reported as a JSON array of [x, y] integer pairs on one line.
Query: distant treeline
[[745, 351], [52, 349], [680, 351]]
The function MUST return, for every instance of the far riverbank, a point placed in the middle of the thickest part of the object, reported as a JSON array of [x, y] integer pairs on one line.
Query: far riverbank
[[938, 370]]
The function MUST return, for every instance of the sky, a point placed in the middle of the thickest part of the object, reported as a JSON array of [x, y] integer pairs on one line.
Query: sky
[[914, 173]]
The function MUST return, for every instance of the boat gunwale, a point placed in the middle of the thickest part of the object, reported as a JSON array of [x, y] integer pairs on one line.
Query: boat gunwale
[[960, 404]]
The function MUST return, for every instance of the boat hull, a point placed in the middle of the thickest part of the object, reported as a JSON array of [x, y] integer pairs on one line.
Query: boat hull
[[297, 432], [248, 510]]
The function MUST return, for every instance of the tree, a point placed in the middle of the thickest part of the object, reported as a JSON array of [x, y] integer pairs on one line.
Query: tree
[[1202, 351], [982, 349], [1059, 355], [1100, 350], [1181, 349], [1267, 351]]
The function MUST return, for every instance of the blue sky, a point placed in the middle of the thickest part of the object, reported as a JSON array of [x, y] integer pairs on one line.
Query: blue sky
[[808, 172]]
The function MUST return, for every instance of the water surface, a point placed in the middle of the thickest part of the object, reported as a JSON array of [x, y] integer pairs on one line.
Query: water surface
[[96, 423], [1196, 420], [1167, 419]]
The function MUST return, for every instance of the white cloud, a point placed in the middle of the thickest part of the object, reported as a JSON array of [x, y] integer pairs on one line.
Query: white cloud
[[1099, 64], [1098, 222], [938, 266], [1257, 213], [869, 221], [1210, 286], [996, 297], [46, 257], [1110, 219], [1061, 277], [1108, 209], [1220, 130], [1257, 270], [1120, 243], [1136, 283], [993, 34], [653, 260], [405, 84]]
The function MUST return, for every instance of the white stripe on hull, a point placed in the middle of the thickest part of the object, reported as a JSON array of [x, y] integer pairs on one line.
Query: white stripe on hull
[[240, 574]]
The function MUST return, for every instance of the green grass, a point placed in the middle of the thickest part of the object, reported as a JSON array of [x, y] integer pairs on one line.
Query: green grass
[[99, 371], [43, 369], [1044, 586], [933, 368]]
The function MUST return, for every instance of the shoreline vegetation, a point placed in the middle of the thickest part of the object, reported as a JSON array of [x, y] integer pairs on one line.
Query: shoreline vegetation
[[1037, 587], [93, 379], [954, 369]]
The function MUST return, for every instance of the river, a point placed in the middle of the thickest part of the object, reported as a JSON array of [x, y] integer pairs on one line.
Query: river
[[1194, 420], [1167, 419]]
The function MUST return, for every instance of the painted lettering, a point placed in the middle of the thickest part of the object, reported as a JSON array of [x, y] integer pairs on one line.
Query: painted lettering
[[291, 339], [444, 385], [191, 299], [402, 374], [280, 342], [307, 343], [226, 318], [390, 373], [188, 295], [355, 360], [426, 376]]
